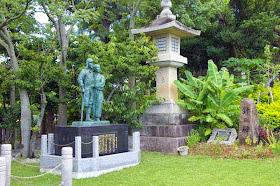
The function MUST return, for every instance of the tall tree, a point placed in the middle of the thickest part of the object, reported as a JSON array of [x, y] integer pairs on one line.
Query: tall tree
[[11, 14], [133, 8], [38, 57], [63, 14]]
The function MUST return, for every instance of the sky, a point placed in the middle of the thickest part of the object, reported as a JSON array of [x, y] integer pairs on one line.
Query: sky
[[41, 17]]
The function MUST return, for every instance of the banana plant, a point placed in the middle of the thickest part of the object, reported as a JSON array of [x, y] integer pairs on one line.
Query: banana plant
[[213, 100]]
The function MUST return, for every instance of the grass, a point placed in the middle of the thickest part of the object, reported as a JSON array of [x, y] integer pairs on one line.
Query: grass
[[159, 169]]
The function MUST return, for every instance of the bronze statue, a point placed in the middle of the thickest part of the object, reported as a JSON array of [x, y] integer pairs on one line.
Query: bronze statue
[[86, 82], [99, 83], [92, 84]]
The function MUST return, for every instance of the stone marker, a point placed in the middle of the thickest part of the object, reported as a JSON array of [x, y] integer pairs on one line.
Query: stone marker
[[249, 122], [6, 151], [223, 136], [44, 144], [2, 171], [67, 166]]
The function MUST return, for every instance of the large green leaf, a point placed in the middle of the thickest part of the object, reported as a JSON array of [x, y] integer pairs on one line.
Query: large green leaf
[[225, 118], [203, 91], [224, 73], [214, 74], [232, 108], [196, 101], [209, 110], [220, 125], [210, 119], [207, 132], [185, 89], [193, 118], [191, 79], [231, 80], [185, 105], [231, 95], [212, 101], [225, 77]]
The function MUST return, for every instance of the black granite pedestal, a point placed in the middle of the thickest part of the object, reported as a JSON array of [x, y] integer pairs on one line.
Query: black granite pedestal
[[112, 139]]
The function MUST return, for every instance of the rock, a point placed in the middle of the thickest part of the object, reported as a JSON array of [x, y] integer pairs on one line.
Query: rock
[[249, 122]]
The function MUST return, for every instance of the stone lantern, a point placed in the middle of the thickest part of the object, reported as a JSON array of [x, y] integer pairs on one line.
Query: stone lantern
[[165, 124]]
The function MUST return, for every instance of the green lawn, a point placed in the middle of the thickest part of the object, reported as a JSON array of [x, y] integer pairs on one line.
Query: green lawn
[[158, 169]]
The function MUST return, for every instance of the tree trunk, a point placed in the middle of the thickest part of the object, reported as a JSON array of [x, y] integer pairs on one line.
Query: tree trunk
[[12, 104], [8, 44], [4, 103], [33, 145], [64, 43], [12, 95], [25, 118], [50, 124], [131, 79], [62, 108], [1, 136], [25, 121]]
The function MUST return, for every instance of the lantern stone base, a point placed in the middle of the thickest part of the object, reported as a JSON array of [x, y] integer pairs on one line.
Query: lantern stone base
[[165, 127], [166, 145]]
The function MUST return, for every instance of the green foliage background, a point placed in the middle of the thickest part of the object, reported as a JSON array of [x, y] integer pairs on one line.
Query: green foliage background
[[234, 34]]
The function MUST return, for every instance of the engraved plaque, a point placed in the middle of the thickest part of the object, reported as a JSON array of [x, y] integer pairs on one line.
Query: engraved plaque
[[223, 136]]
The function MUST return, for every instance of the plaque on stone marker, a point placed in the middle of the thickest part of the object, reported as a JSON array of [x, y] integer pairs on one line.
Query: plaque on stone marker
[[223, 136], [249, 122]]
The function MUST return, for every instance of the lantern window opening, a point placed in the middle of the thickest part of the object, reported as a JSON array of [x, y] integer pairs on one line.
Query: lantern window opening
[[161, 43], [174, 44]]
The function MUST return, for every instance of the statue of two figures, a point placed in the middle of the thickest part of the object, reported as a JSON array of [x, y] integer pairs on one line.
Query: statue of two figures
[[92, 84]]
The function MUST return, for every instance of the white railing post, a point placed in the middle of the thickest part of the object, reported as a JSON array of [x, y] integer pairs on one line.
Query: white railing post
[[2, 171], [44, 145], [95, 146], [50, 143], [136, 141], [67, 166], [78, 147], [6, 151]]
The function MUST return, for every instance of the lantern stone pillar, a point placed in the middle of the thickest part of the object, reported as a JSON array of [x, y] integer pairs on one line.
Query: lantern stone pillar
[[166, 125]]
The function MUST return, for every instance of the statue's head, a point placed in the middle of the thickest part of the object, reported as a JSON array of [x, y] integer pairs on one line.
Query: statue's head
[[90, 63], [96, 68]]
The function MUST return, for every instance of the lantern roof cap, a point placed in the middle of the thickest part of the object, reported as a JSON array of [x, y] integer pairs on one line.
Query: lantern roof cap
[[163, 25]]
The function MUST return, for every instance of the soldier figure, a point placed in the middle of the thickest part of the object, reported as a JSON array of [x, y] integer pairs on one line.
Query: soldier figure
[[99, 83], [86, 82]]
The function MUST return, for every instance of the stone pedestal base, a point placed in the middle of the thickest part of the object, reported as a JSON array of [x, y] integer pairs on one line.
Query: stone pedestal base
[[112, 139], [167, 130], [165, 127], [162, 144]]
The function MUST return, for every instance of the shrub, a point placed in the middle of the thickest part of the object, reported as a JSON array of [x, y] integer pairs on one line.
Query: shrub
[[273, 143], [193, 138], [214, 99], [10, 118], [269, 112]]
